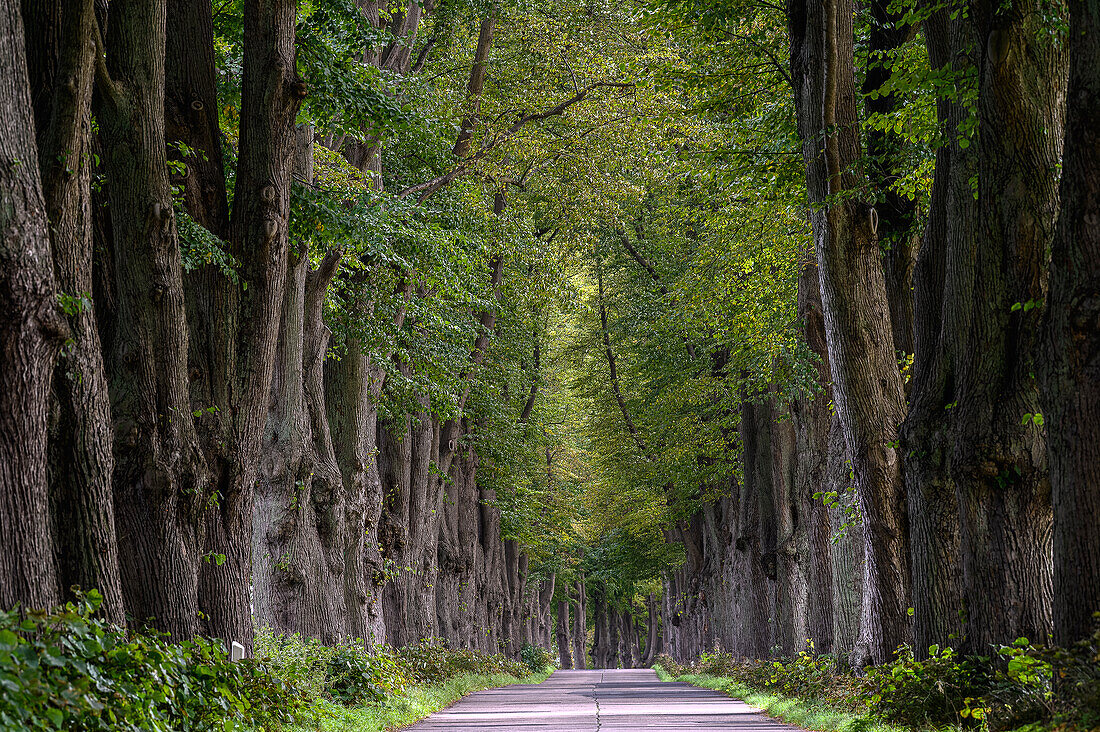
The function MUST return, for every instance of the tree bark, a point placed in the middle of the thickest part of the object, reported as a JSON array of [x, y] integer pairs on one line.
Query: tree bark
[[998, 459], [1071, 367], [31, 331], [580, 620], [563, 635], [61, 63], [754, 524], [259, 238], [161, 481], [867, 387], [943, 303], [298, 528], [812, 422], [652, 631]]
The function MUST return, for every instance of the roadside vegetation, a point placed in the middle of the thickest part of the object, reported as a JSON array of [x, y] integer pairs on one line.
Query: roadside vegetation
[[68, 670], [1022, 686]]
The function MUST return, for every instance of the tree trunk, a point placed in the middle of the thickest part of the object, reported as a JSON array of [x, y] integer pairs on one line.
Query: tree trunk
[[563, 635], [298, 528], [61, 63], [999, 463], [1071, 373], [612, 625], [942, 302], [867, 387], [791, 543], [752, 529], [31, 330], [161, 481], [812, 432], [652, 630], [353, 385], [601, 650], [580, 620], [260, 239]]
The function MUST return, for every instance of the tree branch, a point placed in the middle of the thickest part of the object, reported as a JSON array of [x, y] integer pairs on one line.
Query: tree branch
[[430, 187]]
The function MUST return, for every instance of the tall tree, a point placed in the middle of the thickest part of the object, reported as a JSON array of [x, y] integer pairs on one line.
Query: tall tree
[[998, 457], [942, 308], [31, 331], [160, 479], [1071, 367], [61, 62], [259, 238], [867, 388]]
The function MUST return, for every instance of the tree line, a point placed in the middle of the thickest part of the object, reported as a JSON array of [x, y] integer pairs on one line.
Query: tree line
[[252, 270], [925, 475], [680, 323]]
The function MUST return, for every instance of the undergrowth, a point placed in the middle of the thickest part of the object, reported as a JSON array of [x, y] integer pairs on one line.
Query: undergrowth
[[69, 670], [1022, 686]]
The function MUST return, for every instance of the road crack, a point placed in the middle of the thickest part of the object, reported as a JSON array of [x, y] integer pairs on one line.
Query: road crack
[[596, 699]]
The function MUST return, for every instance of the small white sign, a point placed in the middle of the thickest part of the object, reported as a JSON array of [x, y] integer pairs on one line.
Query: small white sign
[[236, 651]]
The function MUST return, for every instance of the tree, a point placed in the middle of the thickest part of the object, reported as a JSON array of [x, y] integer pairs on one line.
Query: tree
[[867, 391], [31, 332], [1069, 379]]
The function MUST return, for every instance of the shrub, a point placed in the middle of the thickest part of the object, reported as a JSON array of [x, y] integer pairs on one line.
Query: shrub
[[537, 658], [68, 670], [942, 689], [669, 664], [301, 663], [357, 676], [1076, 670], [432, 662], [1020, 685]]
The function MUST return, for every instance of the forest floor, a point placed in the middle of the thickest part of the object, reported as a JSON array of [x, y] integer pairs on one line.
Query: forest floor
[[591, 701]]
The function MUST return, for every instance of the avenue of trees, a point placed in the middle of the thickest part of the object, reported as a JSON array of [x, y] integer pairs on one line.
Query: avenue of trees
[[667, 324]]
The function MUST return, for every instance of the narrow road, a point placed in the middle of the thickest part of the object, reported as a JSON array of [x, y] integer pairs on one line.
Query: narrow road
[[596, 701]]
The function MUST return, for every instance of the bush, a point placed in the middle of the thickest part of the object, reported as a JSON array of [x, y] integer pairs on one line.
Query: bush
[[537, 658], [432, 662], [68, 670], [1012, 689], [669, 664], [358, 676], [301, 663], [1076, 697], [942, 689]]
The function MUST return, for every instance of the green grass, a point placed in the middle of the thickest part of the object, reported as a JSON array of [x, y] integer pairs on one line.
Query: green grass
[[416, 703], [807, 713]]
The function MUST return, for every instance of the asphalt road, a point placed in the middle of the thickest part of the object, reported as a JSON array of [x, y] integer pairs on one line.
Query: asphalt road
[[595, 701]]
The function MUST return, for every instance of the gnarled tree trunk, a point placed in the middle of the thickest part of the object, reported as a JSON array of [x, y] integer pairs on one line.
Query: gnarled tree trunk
[[867, 387], [61, 62], [1071, 373], [31, 331]]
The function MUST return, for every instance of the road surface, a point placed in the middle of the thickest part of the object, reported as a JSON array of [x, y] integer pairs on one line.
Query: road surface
[[597, 701]]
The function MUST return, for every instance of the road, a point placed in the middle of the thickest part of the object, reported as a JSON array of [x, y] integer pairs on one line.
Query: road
[[596, 701]]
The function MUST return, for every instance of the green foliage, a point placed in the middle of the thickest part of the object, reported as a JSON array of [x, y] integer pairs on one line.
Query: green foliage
[[941, 689], [68, 670], [356, 676], [537, 658], [431, 662], [413, 704], [199, 247], [1014, 688]]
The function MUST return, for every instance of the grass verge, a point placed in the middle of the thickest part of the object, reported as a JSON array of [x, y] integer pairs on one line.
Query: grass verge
[[416, 703], [807, 713]]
